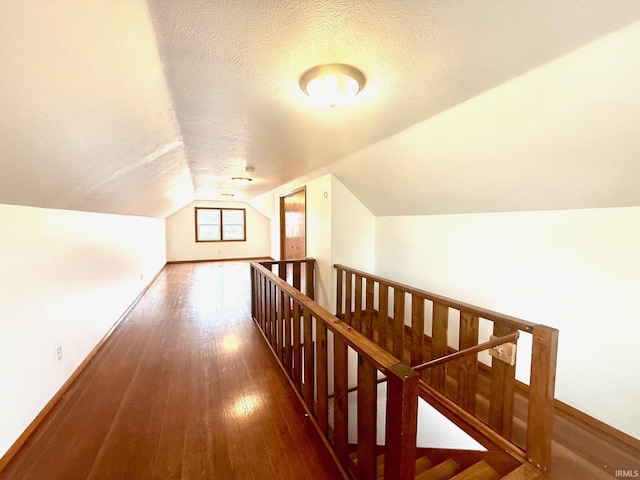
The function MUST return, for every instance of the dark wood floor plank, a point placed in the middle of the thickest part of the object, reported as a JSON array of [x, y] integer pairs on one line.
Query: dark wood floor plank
[[185, 388]]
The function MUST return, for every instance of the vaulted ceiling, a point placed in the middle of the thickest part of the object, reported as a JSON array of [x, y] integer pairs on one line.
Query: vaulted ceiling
[[134, 107]]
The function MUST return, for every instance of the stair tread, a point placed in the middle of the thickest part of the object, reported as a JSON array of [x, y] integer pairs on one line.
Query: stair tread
[[380, 467], [442, 471], [523, 472], [450, 469], [478, 471], [423, 464]]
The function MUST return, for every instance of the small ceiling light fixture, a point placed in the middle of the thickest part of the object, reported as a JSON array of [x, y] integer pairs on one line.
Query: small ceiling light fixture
[[227, 195], [332, 84], [241, 181]]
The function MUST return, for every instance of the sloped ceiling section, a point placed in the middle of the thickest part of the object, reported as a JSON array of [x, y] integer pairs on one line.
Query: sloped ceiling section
[[562, 136], [87, 121], [233, 70], [138, 107]]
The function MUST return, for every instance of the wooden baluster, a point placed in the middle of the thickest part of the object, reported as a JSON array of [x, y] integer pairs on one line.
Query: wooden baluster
[[260, 290], [279, 325], [287, 337], [261, 300], [468, 366], [367, 407], [297, 348], [296, 275], [439, 344], [253, 295], [348, 304], [541, 394], [264, 304], [503, 382], [307, 388], [367, 320], [417, 330], [309, 285], [272, 312], [357, 309], [322, 389], [402, 423], [383, 315], [340, 401], [398, 323], [339, 306]]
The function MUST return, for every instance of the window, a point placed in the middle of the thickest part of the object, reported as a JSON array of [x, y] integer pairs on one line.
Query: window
[[221, 224]]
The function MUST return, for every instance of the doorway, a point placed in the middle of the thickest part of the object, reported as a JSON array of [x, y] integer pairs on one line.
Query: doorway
[[293, 225]]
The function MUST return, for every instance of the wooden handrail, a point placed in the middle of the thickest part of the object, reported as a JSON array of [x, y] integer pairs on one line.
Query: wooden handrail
[[506, 320], [286, 262], [395, 316], [286, 317], [512, 337], [382, 359]]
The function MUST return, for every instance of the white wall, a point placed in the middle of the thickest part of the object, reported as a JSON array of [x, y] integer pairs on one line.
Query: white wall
[[182, 246], [318, 236], [65, 279], [353, 233], [353, 229], [578, 271]]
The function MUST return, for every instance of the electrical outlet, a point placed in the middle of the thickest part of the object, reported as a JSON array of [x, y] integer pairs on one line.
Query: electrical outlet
[[59, 353]]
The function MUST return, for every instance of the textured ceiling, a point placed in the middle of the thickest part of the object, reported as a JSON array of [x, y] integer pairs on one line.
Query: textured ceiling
[[137, 107]]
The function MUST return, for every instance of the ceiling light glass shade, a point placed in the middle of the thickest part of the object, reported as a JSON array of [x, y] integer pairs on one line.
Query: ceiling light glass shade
[[241, 181], [332, 85]]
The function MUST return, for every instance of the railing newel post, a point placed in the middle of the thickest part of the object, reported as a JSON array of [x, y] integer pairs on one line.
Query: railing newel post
[[541, 395], [402, 422]]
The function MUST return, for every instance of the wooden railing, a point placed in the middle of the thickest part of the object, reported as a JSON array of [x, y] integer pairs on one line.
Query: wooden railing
[[395, 317], [313, 347], [297, 273]]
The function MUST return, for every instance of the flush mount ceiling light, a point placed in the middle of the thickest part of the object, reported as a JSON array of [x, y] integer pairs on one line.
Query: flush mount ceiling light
[[332, 84], [241, 181]]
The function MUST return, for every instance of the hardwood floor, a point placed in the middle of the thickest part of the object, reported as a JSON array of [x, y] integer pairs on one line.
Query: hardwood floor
[[185, 388]]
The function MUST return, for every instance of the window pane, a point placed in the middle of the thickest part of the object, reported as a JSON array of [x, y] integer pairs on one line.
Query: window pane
[[234, 232], [209, 232], [209, 215], [220, 224], [233, 217]]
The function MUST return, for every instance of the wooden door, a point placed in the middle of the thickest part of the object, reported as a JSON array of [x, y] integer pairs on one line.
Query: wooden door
[[293, 225]]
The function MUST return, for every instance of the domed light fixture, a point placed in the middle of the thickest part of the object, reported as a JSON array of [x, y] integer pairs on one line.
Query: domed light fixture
[[242, 181], [332, 85]]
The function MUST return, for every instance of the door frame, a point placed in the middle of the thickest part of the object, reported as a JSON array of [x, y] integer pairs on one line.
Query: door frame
[[282, 219]]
